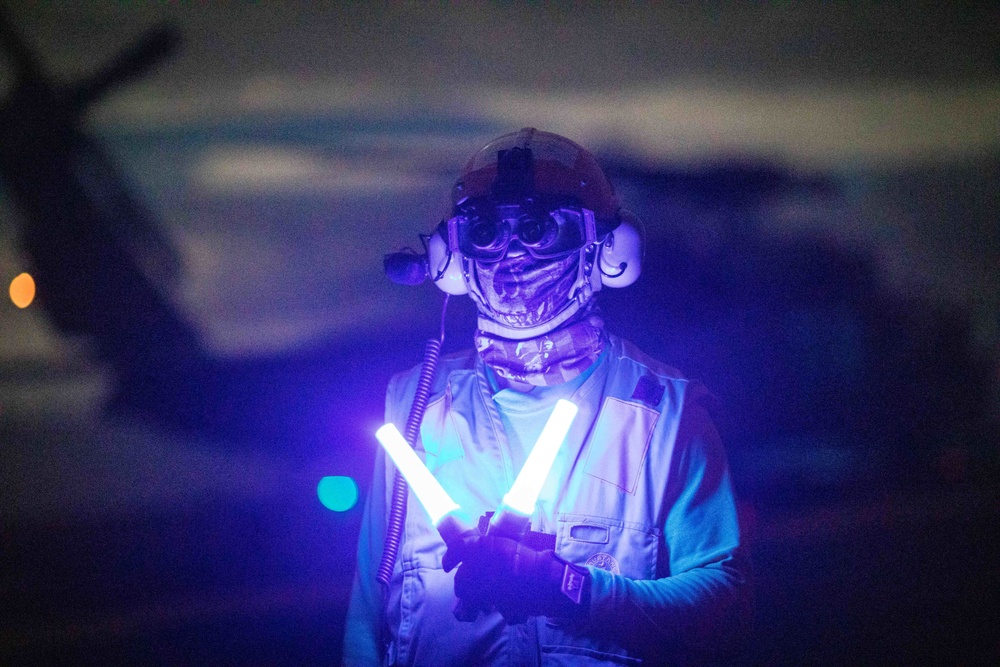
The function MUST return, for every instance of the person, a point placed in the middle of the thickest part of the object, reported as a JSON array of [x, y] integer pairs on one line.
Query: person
[[633, 555]]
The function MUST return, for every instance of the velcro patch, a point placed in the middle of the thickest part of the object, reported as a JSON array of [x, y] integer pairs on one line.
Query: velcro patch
[[648, 391]]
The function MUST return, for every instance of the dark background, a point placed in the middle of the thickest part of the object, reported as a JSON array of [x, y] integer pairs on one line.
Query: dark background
[[213, 332]]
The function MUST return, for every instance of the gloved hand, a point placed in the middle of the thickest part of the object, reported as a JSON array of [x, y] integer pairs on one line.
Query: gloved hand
[[501, 573]]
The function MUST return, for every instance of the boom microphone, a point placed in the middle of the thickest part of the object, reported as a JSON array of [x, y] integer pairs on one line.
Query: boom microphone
[[406, 267]]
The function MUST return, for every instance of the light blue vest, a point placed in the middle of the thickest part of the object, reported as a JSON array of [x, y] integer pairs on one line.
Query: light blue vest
[[623, 498]]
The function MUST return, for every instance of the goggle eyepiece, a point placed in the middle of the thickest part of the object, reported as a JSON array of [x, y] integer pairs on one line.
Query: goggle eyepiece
[[483, 232]]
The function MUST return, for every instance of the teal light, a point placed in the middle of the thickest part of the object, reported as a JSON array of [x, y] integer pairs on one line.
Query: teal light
[[337, 493]]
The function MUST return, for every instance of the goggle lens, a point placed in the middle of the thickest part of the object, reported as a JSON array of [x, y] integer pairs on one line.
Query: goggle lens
[[485, 235]]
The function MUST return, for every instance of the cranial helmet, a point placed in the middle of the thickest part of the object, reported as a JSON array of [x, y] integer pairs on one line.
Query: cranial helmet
[[531, 162], [549, 194]]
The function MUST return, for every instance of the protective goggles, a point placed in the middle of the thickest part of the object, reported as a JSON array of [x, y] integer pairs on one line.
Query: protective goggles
[[483, 232]]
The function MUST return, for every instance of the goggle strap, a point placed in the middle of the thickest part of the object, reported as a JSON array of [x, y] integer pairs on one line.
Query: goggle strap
[[453, 234], [589, 225]]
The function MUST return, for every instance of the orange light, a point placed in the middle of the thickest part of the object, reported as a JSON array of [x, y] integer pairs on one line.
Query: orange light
[[22, 290]]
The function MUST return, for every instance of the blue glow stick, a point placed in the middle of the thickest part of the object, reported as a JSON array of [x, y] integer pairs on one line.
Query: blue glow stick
[[435, 500], [519, 503]]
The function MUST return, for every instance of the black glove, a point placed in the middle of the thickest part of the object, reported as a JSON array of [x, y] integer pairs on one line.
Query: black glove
[[503, 574]]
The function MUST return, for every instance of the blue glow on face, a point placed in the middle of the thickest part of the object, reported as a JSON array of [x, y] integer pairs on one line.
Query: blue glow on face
[[337, 493]]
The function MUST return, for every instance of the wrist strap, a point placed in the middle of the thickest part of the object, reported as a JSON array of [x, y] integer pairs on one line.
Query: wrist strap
[[573, 582], [530, 539]]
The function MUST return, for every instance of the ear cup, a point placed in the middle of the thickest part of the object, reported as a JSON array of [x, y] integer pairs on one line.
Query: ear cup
[[620, 257], [445, 268]]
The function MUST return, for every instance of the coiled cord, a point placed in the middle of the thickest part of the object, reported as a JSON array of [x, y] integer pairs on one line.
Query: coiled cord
[[400, 491]]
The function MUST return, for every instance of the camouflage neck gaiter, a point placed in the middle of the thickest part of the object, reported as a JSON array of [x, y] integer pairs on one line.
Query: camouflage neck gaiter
[[551, 358], [522, 292]]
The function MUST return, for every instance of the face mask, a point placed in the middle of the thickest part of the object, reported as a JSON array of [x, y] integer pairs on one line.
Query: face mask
[[522, 292]]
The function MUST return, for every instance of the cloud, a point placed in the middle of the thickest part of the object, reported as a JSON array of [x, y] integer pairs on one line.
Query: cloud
[[808, 124], [270, 170]]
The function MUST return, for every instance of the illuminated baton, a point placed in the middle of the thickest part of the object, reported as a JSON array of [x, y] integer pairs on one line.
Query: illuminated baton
[[514, 513], [439, 505]]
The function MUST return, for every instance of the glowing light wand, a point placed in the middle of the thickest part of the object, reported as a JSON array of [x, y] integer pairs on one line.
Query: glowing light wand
[[514, 514], [439, 505]]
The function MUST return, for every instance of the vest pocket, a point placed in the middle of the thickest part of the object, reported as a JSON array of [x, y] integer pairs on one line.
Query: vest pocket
[[620, 547], [619, 443]]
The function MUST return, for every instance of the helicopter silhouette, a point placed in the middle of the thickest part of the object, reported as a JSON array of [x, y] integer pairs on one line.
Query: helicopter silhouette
[[105, 271]]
